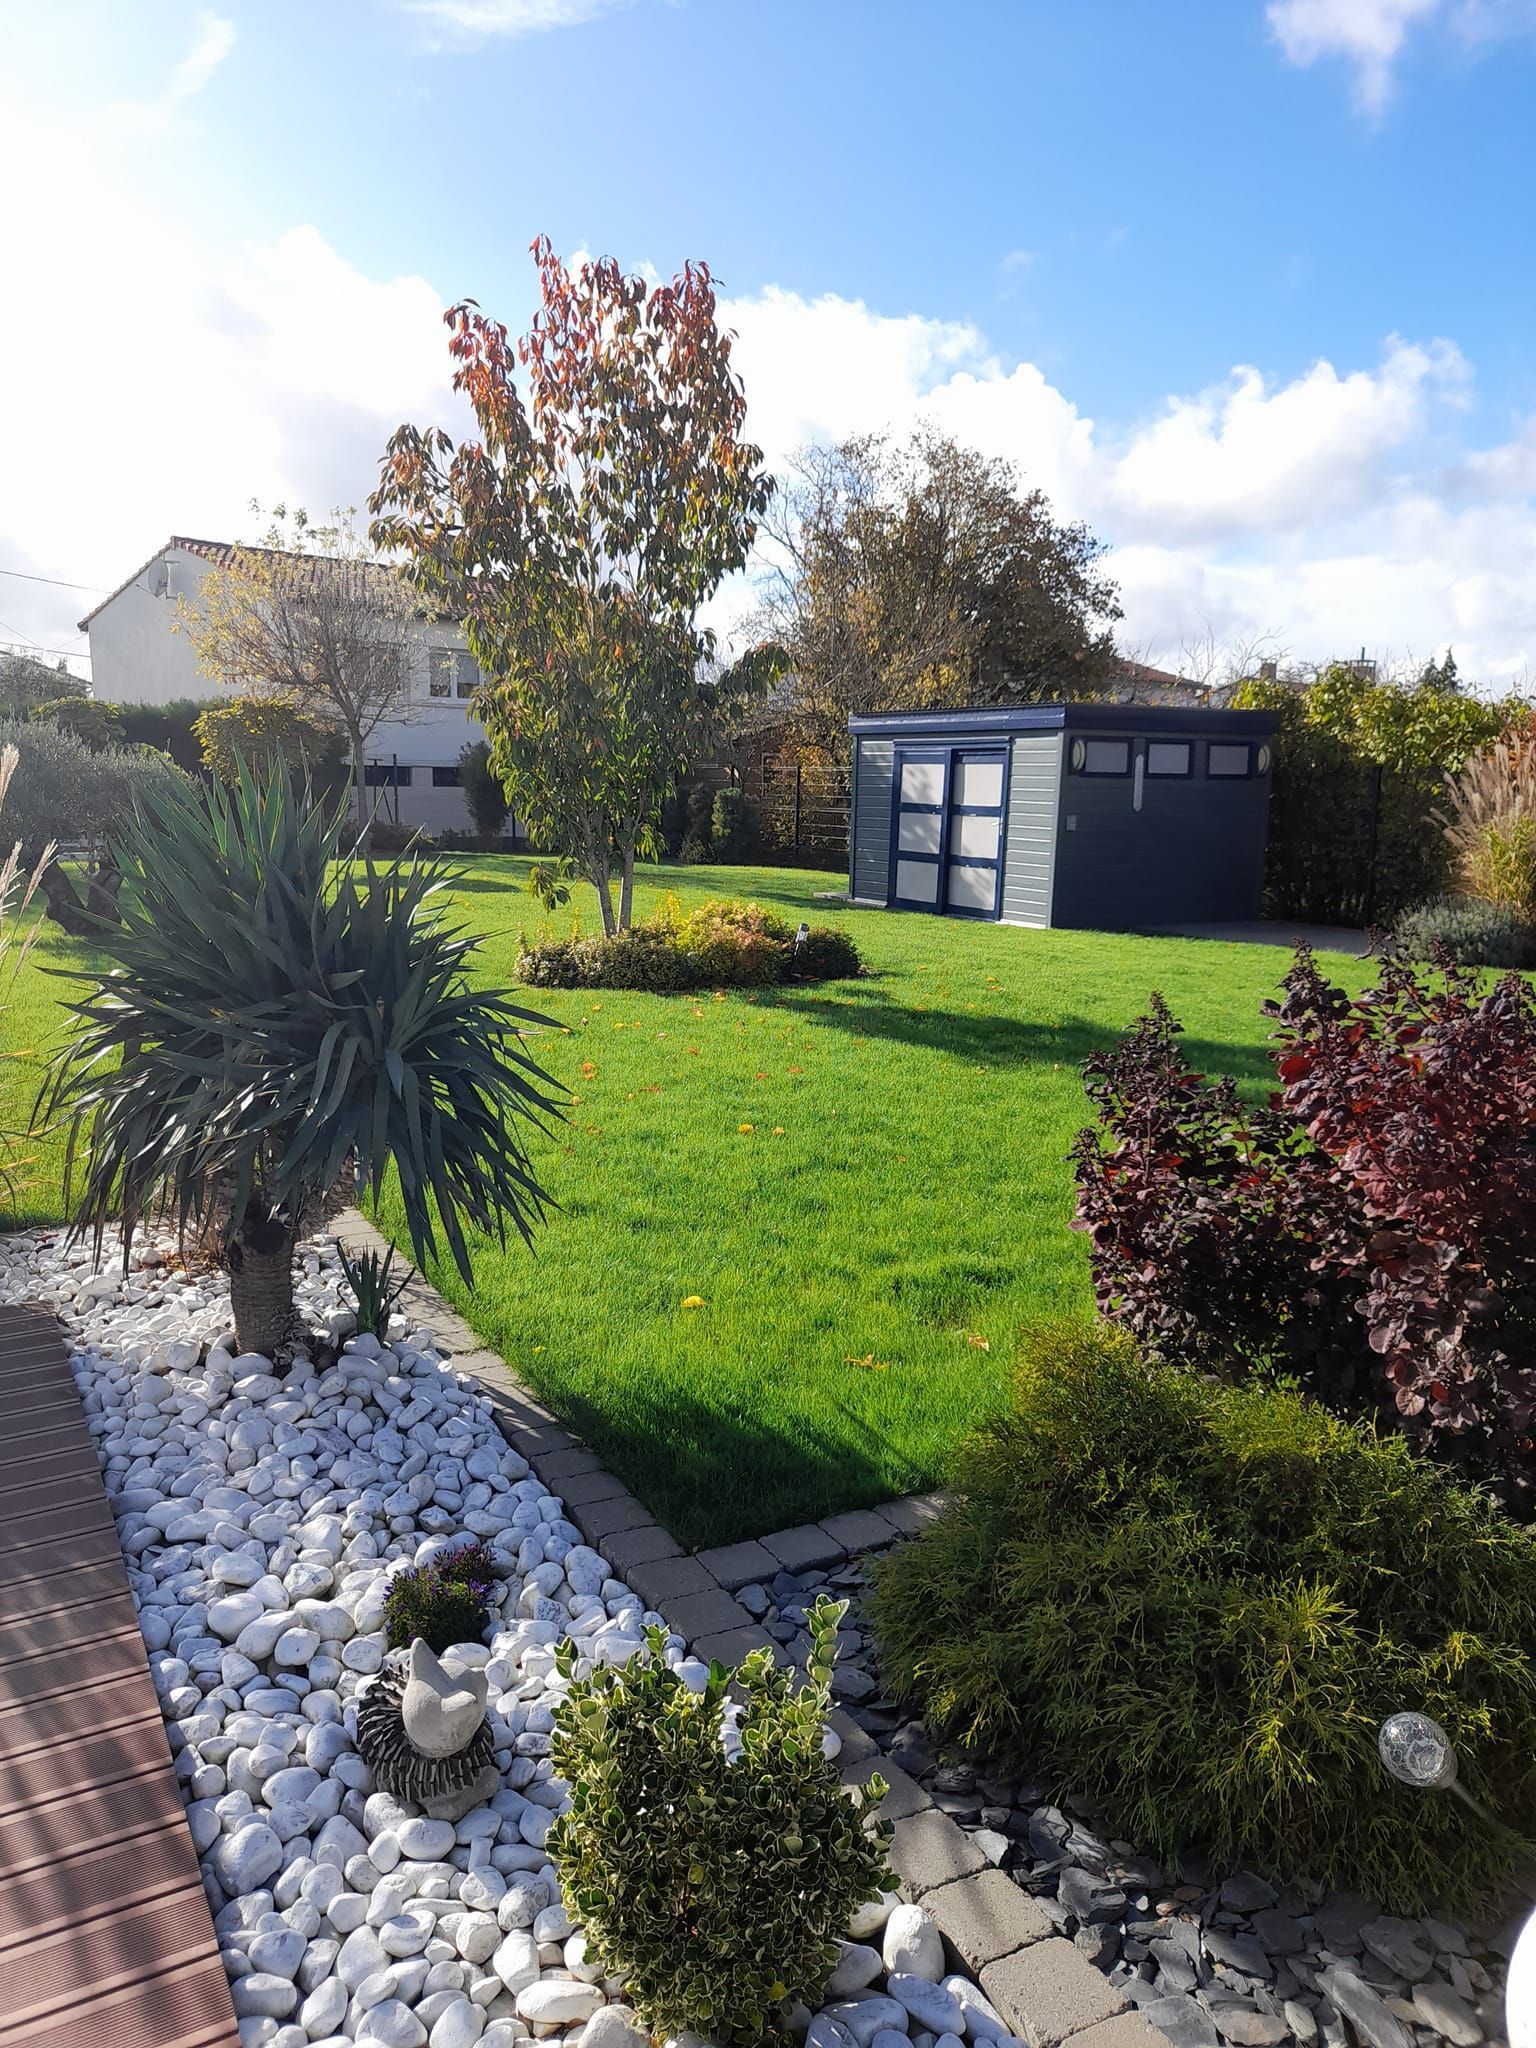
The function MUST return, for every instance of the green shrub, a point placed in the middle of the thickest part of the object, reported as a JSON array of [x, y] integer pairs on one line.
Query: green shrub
[[444, 1602], [1198, 1603], [374, 1287], [718, 945], [1474, 934], [716, 1879], [828, 955], [483, 791], [729, 826]]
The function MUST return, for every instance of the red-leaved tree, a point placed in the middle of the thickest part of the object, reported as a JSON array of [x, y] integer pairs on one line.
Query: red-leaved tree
[[610, 491]]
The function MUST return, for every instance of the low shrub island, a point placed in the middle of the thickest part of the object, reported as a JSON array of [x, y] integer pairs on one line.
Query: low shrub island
[[1464, 929], [717, 945], [444, 1602], [710, 1848], [1373, 1229], [1198, 1602]]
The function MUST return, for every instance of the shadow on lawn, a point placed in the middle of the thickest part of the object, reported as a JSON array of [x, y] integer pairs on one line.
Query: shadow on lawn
[[716, 1475], [1005, 1041]]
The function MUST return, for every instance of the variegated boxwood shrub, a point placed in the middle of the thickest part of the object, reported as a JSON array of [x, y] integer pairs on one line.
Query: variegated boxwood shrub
[[709, 1848]]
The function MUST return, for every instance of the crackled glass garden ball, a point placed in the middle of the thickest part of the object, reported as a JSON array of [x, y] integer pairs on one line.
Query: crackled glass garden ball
[[1417, 1751]]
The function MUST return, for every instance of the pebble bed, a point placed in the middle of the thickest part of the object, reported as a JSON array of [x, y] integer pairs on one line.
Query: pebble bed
[[1209, 1960], [261, 1517]]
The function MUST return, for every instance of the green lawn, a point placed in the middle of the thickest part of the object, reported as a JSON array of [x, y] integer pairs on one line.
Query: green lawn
[[866, 1251]]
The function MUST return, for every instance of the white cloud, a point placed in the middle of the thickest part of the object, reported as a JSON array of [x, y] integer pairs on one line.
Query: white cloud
[[1369, 33], [215, 40], [463, 21], [1372, 34]]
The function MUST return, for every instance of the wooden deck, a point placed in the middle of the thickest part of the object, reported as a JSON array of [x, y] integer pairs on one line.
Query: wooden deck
[[105, 1938]]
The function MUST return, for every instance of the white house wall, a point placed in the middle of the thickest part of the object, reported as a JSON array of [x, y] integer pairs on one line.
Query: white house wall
[[137, 658]]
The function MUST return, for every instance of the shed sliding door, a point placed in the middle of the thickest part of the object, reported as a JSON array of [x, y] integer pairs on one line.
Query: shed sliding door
[[947, 830]]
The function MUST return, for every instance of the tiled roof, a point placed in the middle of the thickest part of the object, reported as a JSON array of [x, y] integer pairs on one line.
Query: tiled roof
[[219, 552]]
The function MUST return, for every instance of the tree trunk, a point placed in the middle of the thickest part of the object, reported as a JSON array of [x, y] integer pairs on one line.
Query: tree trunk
[[627, 890], [360, 786], [600, 876], [260, 1260]]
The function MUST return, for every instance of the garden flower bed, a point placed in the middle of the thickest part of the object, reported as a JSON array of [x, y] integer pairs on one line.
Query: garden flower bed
[[262, 1519]]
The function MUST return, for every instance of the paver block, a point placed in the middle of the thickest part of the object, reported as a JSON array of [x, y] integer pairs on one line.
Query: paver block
[[861, 1529], [569, 1464], [914, 1512], [904, 1795], [1050, 1990], [732, 1644], [739, 1564], [585, 1489], [599, 1518], [928, 1850], [628, 1547], [703, 1613], [667, 1578], [857, 1742], [1126, 2030], [805, 1549], [543, 1442], [987, 1916]]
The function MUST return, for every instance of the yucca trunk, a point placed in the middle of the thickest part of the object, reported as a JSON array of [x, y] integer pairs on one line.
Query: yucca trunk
[[260, 1260]]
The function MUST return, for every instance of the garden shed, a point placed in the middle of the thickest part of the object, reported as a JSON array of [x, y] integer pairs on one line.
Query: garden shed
[[1115, 817]]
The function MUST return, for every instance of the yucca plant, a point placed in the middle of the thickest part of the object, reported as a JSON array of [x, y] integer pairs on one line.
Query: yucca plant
[[277, 1025], [375, 1287]]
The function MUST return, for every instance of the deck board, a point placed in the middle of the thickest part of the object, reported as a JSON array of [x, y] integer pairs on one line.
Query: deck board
[[105, 1938]]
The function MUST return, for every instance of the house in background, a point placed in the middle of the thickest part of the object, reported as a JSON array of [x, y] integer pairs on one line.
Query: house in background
[[413, 760]]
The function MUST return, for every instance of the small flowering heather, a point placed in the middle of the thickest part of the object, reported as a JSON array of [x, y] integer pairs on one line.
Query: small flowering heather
[[444, 1602]]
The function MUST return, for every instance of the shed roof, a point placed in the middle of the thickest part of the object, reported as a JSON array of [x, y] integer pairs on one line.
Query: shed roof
[[997, 720]]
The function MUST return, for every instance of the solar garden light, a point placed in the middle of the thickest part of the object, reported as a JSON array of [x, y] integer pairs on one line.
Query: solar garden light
[[1417, 1751], [802, 938]]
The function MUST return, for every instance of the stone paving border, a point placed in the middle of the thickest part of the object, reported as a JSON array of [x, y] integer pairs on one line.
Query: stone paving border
[[1044, 1988]]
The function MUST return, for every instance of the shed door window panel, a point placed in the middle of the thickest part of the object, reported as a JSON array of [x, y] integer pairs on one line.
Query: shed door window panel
[[976, 783], [1226, 758], [976, 835], [922, 782], [1169, 757], [972, 888], [919, 832], [917, 881]]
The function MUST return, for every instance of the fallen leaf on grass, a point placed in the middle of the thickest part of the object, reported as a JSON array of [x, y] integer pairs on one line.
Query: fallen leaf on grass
[[976, 1341], [778, 1130], [746, 1130], [870, 1363], [693, 1301]]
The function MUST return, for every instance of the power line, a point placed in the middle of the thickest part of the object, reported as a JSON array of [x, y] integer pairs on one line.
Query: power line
[[57, 581]]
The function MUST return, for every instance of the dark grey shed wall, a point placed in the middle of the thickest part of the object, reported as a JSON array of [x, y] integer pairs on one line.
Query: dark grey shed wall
[[1029, 852], [1193, 854], [874, 768]]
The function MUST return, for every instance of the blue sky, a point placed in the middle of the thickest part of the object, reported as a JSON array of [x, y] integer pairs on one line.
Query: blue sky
[[1246, 285]]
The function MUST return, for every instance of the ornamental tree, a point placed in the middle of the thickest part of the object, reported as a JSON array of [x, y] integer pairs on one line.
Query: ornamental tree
[[577, 538]]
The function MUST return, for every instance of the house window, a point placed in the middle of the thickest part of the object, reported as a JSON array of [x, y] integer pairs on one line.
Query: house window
[[1229, 758], [466, 676], [386, 775], [440, 672], [446, 778], [1101, 757], [1168, 757]]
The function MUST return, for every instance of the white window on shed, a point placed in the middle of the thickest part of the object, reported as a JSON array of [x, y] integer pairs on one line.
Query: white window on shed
[[1168, 757], [1102, 757], [919, 832], [1228, 758], [977, 783]]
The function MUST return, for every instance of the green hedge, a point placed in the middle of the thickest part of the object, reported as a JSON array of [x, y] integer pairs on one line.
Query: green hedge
[[1198, 1603]]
